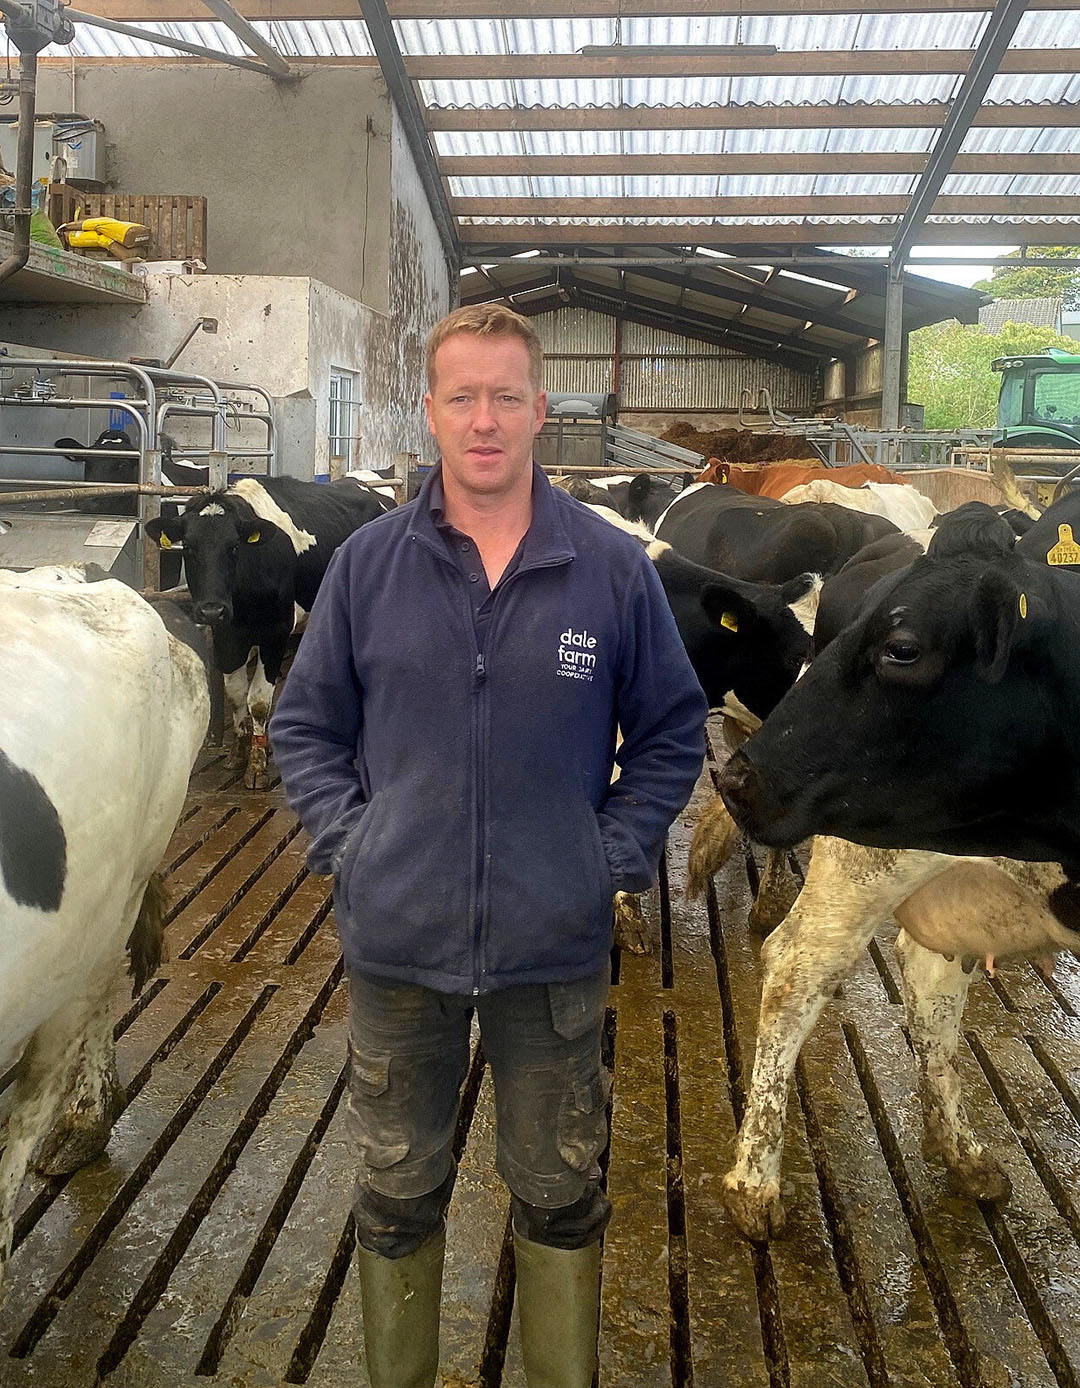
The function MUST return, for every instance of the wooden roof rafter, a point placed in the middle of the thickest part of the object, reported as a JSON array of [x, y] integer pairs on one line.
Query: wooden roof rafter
[[856, 116]]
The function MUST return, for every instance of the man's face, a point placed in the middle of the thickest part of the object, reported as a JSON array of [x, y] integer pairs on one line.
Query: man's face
[[484, 412]]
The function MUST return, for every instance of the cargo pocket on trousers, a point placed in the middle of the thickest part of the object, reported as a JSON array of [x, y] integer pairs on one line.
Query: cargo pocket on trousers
[[577, 1014], [582, 1133], [375, 1123]]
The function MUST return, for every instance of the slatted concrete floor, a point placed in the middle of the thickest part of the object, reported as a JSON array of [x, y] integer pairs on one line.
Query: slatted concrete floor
[[212, 1243]]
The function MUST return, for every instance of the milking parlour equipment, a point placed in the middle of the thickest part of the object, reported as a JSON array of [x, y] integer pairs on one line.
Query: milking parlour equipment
[[226, 426]]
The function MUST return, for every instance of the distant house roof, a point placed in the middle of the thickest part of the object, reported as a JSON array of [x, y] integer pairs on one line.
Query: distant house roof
[[1040, 313]]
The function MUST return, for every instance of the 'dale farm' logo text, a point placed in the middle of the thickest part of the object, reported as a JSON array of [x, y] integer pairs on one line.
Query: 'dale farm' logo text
[[576, 655]]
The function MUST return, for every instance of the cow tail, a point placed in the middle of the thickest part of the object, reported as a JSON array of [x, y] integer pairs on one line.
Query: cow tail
[[145, 944]]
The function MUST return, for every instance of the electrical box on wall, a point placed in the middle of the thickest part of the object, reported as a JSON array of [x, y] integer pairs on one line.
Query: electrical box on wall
[[82, 144], [78, 141], [43, 147]]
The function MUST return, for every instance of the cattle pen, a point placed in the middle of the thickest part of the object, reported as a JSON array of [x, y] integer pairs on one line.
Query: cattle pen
[[213, 1242]]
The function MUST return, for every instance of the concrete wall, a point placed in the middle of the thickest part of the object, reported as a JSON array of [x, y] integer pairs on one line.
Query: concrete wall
[[289, 171], [312, 191]]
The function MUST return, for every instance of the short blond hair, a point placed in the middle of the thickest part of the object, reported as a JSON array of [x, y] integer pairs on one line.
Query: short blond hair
[[488, 320]]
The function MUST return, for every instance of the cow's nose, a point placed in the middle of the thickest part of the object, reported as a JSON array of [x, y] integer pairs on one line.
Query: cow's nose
[[210, 613]]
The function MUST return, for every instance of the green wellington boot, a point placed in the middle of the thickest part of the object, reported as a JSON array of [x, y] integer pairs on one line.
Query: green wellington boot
[[400, 1297], [558, 1296]]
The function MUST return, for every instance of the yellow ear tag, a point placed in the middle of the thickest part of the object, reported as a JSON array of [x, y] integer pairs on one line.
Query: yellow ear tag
[[1066, 551], [730, 621], [253, 538], [164, 541], [1023, 605]]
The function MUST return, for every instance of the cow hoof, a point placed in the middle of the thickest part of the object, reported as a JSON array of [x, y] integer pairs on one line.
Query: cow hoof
[[757, 1210], [982, 1178], [631, 928], [81, 1134], [238, 753]]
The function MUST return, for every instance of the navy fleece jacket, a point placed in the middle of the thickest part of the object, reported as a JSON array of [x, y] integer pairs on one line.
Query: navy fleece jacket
[[463, 801]]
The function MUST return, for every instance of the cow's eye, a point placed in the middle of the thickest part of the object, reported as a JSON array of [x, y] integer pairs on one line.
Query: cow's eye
[[900, 650]]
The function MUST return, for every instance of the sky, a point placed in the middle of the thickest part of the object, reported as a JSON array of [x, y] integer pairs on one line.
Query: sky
[[956, 274]]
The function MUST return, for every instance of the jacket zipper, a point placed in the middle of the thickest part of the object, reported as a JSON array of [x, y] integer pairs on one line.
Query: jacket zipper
[[480, 746]]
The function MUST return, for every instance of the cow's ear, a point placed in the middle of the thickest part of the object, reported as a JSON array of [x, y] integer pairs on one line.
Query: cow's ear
[[254, 531], [726, 608], [997, 608], [166, 530], [639, 489]]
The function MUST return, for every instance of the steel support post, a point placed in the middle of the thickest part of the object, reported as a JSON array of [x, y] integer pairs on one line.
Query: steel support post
[[892, 348]]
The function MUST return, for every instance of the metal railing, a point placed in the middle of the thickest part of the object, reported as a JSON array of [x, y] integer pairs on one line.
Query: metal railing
[[153, 397]]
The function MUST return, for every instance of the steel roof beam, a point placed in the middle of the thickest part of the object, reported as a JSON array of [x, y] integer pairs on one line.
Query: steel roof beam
[[1012, 232], [690, 209], [741, 165], [248, 34], [788, 260], [872, 116], [817, 63], [384, 41], [151, 36], [989, 57], [690, 283]]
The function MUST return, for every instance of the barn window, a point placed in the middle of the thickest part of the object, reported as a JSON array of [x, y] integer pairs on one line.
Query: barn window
[[344, 415]]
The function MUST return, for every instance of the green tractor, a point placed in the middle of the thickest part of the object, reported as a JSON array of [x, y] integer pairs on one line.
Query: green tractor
[[1039, 401]]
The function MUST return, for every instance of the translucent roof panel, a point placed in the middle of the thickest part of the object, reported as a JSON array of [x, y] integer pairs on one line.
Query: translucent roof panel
[[293, 38], [682, 186]]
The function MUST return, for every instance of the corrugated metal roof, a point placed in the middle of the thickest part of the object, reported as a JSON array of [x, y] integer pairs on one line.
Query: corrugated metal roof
[[796, 33]]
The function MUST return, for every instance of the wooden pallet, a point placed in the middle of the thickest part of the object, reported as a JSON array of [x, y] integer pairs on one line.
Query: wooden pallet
[[177, 221]]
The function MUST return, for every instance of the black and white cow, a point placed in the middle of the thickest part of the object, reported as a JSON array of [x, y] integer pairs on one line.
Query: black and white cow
[[254, 557], [955, 911], [642, 498], [946, 717], [762, 540], [747, 643], [103, 714]]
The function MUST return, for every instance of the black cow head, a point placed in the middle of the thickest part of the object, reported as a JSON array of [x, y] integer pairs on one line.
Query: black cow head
[[742, 638], [216, 532], [935, 720]]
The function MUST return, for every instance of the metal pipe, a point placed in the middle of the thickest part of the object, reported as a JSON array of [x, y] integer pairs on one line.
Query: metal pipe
[[24, 168], [152, 36], [247, 33], [70, 493]]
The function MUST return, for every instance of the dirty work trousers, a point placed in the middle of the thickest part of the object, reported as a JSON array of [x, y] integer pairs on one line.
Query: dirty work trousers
[[409, 1057]]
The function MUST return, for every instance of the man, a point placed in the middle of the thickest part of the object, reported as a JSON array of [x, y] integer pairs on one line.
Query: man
[[447, 736]]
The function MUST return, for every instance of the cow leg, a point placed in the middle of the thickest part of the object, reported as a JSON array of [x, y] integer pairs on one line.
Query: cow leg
[[776, 895], [935, 990], [260, 697], [236, 697], [849, 892], [41, 1081], [89, 1106]]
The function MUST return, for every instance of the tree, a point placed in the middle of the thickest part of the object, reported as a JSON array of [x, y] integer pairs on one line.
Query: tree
[[949, 369], [1033, 283]]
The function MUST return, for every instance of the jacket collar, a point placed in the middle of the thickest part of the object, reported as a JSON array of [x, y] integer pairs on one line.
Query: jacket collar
[[546, 541]]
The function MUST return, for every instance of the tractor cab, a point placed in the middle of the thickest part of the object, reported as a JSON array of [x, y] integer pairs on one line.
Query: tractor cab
[[1039, 401]]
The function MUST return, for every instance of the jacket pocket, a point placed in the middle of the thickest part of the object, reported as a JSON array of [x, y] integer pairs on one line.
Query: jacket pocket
[[352, 848], [603, 866]]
